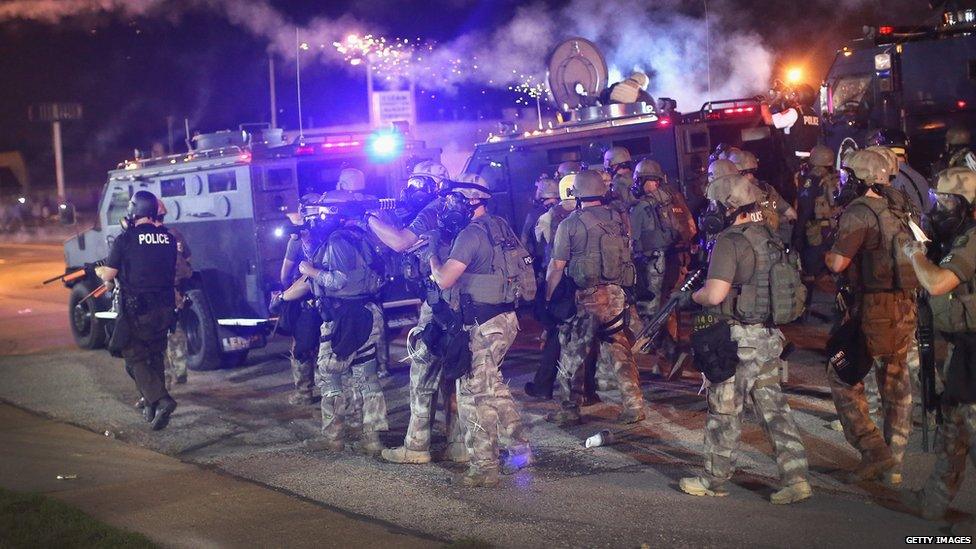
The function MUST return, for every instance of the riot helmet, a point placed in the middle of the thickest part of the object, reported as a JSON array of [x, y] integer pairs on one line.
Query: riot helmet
[[721, 168], [567, 168], [546, 188], [588, 185], [352, 180], [744, 161], [952, 203], [160, 212], [727, 197], [821, 157], [890, 157], [142, 204], [803, 95], [461, 199], [615, 159], [645, 171]]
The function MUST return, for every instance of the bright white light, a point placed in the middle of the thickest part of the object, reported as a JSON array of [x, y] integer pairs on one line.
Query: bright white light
[[63, 206], [22, 200], [303, 46], [794, 75], [355, 61], [279, 232], [384, 146]]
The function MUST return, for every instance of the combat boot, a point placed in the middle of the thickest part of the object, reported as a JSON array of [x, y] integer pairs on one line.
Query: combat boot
[[454, 451], [870, 469], [163, 408], [476, 477], [369, 444], [325, 444], [791, 494], [631, 416], [916, 503], [402, 454], [519, 457], [698, 486], [141, 403], [148, 411], [568, 416]]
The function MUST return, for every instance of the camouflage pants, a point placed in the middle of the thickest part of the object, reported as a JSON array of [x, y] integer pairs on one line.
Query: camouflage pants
[[958, 441], [485, 404], [351, 392], [757, 378], [423, 387], [600, 310], [888, 321], [307, 333], [871, 382], [175, 358]]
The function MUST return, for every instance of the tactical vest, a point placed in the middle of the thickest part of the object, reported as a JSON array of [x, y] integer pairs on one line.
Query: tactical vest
[[557, 213], [883, 267], [606, 255], [768, 206], [775, 293], [365, 279], [803, 135], [659, 208], [815, 205], [955, 312], [511, 277]]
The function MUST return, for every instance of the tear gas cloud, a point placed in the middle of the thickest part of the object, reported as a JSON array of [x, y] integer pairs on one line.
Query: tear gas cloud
[[666, 39]]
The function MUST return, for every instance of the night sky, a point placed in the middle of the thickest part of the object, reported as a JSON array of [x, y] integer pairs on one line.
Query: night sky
[[131, 73]]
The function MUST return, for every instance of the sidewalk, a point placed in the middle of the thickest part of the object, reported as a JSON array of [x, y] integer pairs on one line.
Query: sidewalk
[[173, 503]]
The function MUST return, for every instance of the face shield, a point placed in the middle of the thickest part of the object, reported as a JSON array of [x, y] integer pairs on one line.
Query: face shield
[[640, 185], [948, 214]]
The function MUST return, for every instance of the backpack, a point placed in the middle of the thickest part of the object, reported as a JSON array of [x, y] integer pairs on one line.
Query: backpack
[[776, 292], [512, 278], [607, 258], [888, 262]]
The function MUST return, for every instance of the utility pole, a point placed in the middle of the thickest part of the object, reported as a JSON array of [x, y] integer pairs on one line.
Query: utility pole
[[55, 113], [58, 159], [271, 85]]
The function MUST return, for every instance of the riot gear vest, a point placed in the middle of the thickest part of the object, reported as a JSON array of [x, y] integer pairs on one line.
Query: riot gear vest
[[660, 207], [955, 312], [815, 205], [804, 134], [606, 255], [768, 205], [775, 292], [364, 279], [883, 267], [511, 278]]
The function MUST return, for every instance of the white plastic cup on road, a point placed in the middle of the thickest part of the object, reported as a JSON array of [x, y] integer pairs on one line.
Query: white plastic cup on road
[[603, 438]]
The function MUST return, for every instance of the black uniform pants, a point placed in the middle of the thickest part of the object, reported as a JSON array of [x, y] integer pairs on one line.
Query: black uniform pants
[[144, 353], [545, 375]]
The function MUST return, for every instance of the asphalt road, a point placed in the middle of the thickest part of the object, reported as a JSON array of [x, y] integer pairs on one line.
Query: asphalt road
[[623, 495]]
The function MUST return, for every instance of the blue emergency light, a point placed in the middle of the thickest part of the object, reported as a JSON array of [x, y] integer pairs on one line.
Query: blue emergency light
[[384, 145]]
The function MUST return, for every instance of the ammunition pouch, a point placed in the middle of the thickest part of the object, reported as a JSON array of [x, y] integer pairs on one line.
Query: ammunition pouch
[[562, 306], [960, 375], [716, 354], [847, 349], [446, 339]]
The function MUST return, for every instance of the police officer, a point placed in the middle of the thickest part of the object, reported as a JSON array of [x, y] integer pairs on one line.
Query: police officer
[[545, 230], [143, 260], [733, 272], [870, 232], [345, 279], [952, 286], [631, 90], [662, 233], [568, 168], [958, 153], [546, 195], [779, 214], [618, 164], [306, 320], [176, 341], [592, 247], [798, 123], [477, 268], [816, 212], [906, 178]]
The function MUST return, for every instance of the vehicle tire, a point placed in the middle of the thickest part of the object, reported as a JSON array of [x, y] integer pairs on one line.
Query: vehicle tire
[[235, 359], [88, 331], [202, 347]]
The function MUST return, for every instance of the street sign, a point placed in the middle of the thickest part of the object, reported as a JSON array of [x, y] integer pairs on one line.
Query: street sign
[[393, 106], [54, 112]]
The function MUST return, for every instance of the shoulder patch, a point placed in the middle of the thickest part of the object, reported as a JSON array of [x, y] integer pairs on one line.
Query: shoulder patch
[[960, 241], [946, 259]]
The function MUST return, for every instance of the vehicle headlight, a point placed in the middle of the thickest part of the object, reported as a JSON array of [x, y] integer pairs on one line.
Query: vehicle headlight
[[882, 62]]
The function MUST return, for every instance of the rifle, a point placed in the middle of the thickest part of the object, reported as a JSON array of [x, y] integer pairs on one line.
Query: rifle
[[89, 268], [354, 208], [644, 341], [925, 334]]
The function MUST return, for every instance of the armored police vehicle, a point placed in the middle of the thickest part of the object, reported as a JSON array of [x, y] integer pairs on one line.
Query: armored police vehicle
[[229, 195], [917, 79], [512, 161]]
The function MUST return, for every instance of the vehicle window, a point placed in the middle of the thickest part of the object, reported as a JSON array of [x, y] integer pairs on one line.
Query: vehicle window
[[848, 93], [221, 182], [278, 178], [565, 154], [118, 205], [172, 187], [493, 171], [698, 141], [637, 147]]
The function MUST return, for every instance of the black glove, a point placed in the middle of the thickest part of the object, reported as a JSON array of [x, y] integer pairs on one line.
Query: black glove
[[684, 300], [277, 303]]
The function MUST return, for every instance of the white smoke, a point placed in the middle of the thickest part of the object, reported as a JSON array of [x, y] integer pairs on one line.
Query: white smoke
[[668, 39]]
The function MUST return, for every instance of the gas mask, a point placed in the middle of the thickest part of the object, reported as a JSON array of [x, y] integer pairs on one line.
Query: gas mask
[[420, 190], [457, 213], [613, 170], [320, 226], [714, 219], [637, 189], [948, 215], [851, 187]]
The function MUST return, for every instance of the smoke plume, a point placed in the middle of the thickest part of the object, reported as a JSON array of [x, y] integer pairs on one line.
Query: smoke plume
[[687, 56]]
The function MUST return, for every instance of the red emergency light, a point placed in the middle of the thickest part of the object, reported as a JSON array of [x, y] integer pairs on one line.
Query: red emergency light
[[304, 150], [961, 104], [886, 29], [739, 110], [340, 144], [664, 122]]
